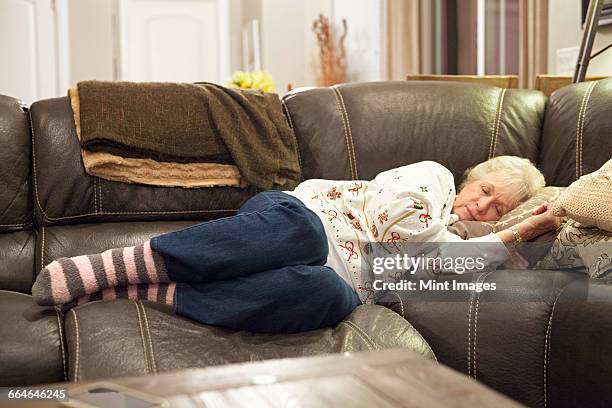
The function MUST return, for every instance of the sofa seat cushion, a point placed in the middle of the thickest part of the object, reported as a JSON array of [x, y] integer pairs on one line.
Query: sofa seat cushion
[[31, 342], [17, 250], [125, 338]]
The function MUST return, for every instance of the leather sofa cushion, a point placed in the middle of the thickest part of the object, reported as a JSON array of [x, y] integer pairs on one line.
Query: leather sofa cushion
[[31, 342], [578, 355], [17, 261], [16, 211], [497, 337], [355, 131], [65, 194], [123, 338], [576, 134], [87, 239]]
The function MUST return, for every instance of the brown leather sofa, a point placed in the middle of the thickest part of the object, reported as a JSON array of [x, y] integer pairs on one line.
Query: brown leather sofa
[[543, 338]]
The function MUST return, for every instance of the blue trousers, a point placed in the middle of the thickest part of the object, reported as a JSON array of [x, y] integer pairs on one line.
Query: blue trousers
[[261, 270]]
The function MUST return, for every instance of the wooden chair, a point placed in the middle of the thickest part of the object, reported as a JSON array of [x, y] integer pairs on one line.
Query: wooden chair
[[501, 81], [550, 83]]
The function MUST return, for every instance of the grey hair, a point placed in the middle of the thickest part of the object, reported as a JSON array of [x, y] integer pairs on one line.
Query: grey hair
[[516, 173]]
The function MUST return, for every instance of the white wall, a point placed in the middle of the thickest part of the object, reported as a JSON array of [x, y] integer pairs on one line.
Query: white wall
[[282, 42], [564, 30], [364, 42], [91, 39], [289, 47], [33, 49]]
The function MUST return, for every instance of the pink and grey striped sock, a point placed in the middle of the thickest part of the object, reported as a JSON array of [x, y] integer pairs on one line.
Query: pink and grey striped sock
[[67, 279], [153, 292]]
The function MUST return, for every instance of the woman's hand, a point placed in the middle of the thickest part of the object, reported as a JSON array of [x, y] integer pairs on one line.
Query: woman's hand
[[541, 222]]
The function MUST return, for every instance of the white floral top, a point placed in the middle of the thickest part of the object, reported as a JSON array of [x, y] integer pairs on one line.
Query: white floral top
[[407, 204]]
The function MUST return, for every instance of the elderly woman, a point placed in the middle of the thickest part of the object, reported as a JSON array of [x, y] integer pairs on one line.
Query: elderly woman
[[292, 261]]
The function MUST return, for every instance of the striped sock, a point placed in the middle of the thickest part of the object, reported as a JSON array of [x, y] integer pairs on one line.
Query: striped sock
[[153, 292], [67, 279]]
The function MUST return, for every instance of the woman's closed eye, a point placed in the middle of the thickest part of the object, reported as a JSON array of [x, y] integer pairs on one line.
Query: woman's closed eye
[[499, 210]]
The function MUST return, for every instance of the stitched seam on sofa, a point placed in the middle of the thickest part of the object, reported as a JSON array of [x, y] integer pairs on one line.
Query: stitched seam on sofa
[[42, 250], [284, 105], [583, 122], [469, 339], [586, 106], [138, 213], [77, 347], [470, 310], [146, 320], [499, 120], [580, 130], [401, 303], [61, 339], [288, 114], [484, 277], [100, 198], [496, 121], [350, 131], [99, 181], [340, 103], [369, 345], [98, 194], [101, 207], [350, 159], [34, 164], [16, 225], [547, 346], [365, 334], [95, 196], [142, 336]]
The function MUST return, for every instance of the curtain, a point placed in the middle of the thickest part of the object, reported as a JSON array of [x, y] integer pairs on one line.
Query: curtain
[[404, 23], [533, 38]]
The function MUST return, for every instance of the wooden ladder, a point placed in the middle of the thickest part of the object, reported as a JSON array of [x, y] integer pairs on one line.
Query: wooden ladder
[[588, 37]]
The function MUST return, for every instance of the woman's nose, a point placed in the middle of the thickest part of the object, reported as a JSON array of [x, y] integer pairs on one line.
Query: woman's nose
[[484, 204]]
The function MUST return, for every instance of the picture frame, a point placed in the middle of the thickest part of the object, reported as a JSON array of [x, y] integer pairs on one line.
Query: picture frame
[[606, 12]]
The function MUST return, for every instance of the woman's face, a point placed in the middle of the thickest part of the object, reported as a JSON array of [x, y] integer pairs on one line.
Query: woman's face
[[483, 200]]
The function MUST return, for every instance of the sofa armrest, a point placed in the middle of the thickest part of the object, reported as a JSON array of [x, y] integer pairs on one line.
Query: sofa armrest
[[121, 338]]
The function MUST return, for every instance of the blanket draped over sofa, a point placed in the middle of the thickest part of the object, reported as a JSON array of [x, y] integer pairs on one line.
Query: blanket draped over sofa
[[145, 132]]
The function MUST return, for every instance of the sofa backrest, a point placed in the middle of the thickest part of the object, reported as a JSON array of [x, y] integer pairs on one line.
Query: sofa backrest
[[577, 134], [355, 131], [17, 236], [349, 131], [65, 194]]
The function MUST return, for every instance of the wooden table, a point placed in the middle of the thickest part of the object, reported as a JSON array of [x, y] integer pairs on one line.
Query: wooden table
[[392, 378]]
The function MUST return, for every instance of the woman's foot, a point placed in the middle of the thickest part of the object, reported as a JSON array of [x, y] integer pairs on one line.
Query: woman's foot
[[152, 292], [67, 279]]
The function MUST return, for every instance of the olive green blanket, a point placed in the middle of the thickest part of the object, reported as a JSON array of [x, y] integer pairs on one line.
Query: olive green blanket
[[191, 123]]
